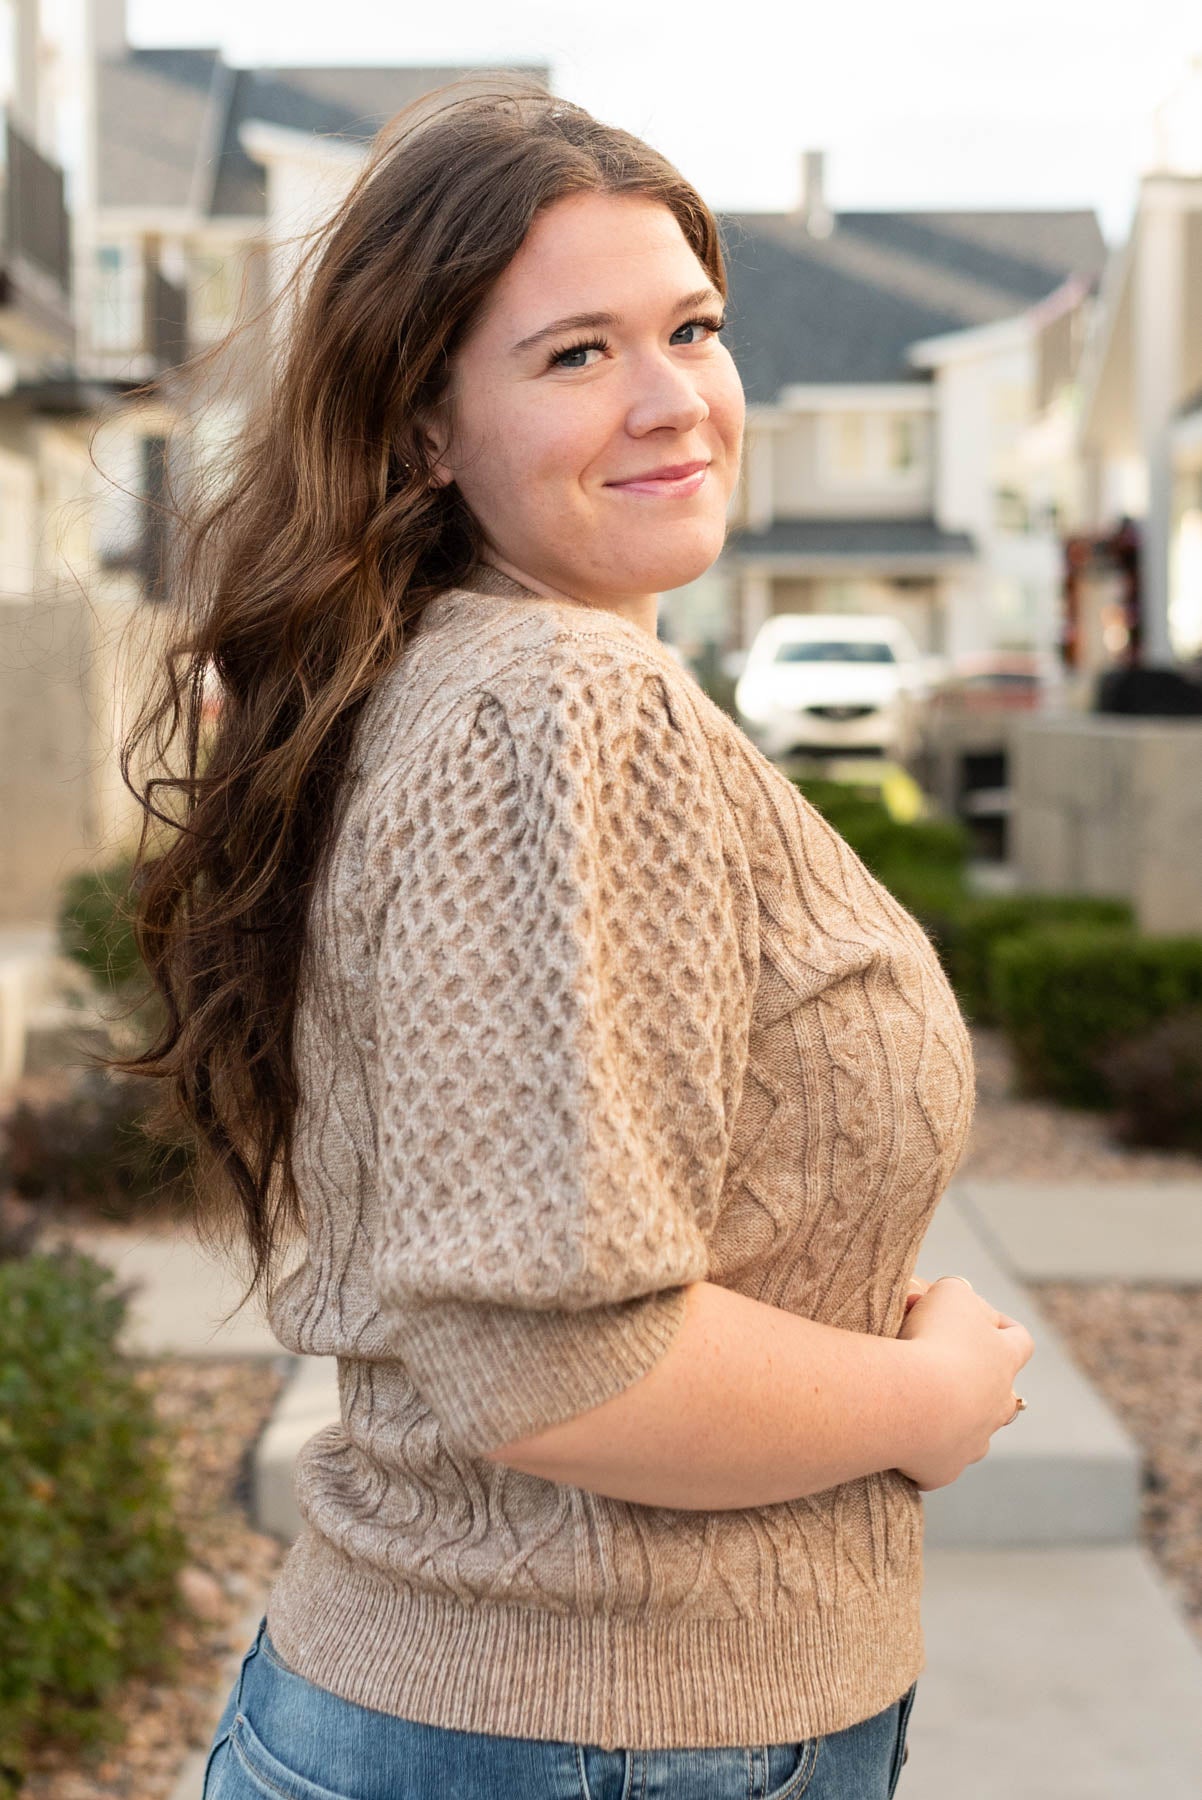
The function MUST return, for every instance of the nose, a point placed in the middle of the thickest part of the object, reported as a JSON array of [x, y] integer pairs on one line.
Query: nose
[[665, 394]]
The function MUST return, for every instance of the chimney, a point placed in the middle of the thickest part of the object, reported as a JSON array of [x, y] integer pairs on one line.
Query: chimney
[[812, 210], [23, 96], [108, 28]]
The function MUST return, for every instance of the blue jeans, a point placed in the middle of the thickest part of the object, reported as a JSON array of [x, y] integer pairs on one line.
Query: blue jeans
[[283, 1738]]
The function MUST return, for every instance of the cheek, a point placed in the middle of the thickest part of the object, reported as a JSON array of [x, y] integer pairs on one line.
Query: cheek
[[727, 403], [555, 446]]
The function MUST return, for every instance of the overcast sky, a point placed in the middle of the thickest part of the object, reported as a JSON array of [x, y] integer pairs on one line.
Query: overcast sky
[[935, 103]]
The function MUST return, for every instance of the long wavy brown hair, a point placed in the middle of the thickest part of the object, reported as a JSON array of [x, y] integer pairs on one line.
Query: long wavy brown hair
[[293, 584]]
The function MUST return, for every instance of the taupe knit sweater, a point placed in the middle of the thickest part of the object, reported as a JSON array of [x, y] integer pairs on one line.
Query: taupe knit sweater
[[596, 1006]]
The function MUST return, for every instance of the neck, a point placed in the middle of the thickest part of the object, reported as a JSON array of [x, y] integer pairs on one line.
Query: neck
[[641, 609]]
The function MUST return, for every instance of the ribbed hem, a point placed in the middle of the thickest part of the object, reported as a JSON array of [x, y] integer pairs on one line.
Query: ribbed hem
[[492, 1374], [616, 1683]]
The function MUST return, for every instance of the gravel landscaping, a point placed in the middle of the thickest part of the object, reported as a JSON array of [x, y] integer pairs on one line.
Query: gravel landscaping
[[1017, 1139], [1141, 1346]]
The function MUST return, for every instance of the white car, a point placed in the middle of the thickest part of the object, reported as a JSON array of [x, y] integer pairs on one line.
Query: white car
[[832, 684]]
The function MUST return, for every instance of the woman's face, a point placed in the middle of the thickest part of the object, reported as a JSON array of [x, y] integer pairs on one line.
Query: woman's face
[[553, 418]]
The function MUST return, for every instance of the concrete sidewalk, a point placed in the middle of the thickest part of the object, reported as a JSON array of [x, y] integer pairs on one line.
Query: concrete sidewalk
[[180, 1294], [1088, 1231], [1054, 1674]]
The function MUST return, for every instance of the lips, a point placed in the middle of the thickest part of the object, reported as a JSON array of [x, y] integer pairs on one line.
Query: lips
[[667, 472]]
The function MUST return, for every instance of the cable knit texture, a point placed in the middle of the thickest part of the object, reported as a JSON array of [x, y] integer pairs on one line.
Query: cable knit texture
[[595, 1005]]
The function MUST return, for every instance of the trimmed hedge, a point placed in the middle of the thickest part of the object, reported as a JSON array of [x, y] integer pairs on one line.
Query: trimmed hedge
[[968, 931], [923, 865], [1067, 995], [87, 1147], [89, 1546], [1155, 1081], [880, 840]]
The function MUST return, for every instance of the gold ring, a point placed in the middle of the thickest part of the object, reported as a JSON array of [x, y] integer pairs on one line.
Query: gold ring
[[1020, 1406]]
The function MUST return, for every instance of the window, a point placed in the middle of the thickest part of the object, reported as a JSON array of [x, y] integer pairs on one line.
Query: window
[[858, 650], [871, 450], [214, 286], [851, 460], [117, 298], [903, 446]]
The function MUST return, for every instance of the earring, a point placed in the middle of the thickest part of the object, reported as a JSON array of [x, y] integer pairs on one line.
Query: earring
[[409, 470]]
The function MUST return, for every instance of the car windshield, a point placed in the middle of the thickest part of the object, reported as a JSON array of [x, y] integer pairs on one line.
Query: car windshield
[[837, 650]]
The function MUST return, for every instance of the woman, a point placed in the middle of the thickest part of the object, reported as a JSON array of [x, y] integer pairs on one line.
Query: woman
[[611, 1094]]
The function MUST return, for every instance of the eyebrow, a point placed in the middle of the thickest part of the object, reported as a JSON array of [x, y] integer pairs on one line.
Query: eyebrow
[[585, 320]]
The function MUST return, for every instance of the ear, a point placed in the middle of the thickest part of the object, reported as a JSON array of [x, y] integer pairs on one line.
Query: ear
[[436, 432]]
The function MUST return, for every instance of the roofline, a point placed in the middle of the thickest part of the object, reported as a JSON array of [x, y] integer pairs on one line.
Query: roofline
[[1001, 334], [266, 143], [207, 167], [973, 340], [888, 396], [869, 562], [1096, 350], [138, 219]]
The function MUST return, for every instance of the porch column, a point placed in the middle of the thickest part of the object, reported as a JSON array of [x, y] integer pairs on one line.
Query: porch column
[[755, 604], [1159, 326]]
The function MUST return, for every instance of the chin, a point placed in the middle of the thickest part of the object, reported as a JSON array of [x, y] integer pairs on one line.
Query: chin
[[668, 566]]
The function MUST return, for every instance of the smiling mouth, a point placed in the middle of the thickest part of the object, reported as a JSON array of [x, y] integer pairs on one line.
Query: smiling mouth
[[664, 485]]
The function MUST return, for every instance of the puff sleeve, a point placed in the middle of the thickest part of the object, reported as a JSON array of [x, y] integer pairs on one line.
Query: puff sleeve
[[566, 949]]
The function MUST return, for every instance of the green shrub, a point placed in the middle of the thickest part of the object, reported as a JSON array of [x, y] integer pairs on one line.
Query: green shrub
[[917, 851], [94, 925], [89, 1547], [1155, 1084], [87, 1147], [1066, 994], [967, 931]]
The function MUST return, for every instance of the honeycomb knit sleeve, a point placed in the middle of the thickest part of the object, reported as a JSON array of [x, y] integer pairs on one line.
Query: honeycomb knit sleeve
[[564, 985]]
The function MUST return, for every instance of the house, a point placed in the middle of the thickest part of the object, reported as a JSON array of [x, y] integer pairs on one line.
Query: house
[[191, 177], [1107, 803], [1140, 425], [908, 380], [202, 174], [45, 732]]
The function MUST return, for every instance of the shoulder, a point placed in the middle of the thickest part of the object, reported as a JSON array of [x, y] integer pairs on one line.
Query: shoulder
[[477, 662]]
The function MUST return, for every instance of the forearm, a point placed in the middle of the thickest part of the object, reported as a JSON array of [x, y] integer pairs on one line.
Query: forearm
[[750, 1405]]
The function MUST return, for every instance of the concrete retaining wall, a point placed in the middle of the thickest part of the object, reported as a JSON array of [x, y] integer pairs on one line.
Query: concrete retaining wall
[[1111, 805]]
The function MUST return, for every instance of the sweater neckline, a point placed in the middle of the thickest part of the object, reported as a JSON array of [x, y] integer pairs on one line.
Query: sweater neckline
[[485, 581]]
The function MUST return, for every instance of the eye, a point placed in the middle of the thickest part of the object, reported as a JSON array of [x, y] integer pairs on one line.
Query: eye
[[558, 359], [714, 325]]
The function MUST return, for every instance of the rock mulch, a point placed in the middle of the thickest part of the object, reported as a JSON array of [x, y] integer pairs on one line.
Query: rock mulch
[[215, 1411], [1018, 1139], [1141, 1346]]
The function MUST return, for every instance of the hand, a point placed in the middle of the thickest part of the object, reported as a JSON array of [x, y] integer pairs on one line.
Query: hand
[[917, 1289], [973, 1353]]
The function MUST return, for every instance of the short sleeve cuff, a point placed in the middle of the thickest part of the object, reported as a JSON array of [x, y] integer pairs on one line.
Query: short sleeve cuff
[[492, 1374]]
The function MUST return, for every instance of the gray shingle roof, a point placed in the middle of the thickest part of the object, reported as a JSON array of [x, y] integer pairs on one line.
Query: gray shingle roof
[[854, 538], [152, 111], [169, 120], [845, 308]]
